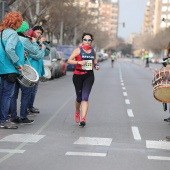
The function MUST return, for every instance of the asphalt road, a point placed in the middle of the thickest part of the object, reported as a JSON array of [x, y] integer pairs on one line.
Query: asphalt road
[[125, 127]]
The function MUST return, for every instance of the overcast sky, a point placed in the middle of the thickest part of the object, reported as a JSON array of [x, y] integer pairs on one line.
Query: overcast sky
[[132, 13]]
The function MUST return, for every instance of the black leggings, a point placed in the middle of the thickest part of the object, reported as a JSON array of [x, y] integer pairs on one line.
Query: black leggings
[[83, 85]]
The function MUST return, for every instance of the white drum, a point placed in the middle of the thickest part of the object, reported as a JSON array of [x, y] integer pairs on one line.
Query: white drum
[[28, 77]]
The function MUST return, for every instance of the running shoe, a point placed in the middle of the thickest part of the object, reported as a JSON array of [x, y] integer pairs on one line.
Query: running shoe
[[26, 121], [77, 117], [15, 121], [167, 120], [83, 122]]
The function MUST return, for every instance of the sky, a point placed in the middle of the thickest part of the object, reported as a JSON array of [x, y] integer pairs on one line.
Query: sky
[[132, 13]]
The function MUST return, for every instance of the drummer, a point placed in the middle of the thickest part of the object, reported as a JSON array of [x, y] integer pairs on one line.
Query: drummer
[[32, 55], [11, 60], [41, 40]]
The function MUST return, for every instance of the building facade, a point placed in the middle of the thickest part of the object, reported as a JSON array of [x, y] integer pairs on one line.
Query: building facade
[[105, 14], [108, 16], [157, 16]]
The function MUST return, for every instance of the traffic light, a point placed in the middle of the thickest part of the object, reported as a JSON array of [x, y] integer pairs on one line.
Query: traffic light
[[123, 24]]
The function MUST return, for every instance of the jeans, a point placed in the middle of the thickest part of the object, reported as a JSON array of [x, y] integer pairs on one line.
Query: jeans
[[6, 93], [32, 97], [25, 96]]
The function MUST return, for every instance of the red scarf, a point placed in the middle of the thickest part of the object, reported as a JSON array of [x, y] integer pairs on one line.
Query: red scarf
[[85, 47]]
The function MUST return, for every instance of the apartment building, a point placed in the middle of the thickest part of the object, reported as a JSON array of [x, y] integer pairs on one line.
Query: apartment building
[[105, 12], [157, 16], [108, 16]]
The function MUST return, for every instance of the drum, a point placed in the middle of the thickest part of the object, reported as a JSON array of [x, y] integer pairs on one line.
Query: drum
[[28, 77], [47, 75], [161, 86]]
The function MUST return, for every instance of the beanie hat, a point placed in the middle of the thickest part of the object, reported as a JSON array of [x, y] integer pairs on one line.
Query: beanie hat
[[23, 28]]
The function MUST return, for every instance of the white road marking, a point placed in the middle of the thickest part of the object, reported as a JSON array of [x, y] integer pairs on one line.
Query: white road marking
[[11, 151], [22, 138], [158, 144], [136, 133], [93, 141], [130, 113], [127, 101], [124, 88], [125, 93], [121, 80], [45, 125], [122, 84], [85, 154], [159, 158]]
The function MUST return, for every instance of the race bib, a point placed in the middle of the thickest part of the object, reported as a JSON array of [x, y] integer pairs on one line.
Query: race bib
[[88, 65]]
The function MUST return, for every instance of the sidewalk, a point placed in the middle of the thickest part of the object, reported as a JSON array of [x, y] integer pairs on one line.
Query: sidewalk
[[152, 66]]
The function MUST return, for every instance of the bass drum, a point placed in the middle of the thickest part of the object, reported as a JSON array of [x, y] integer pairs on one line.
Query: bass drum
[[47, 75], [28, 77], [161, 86]]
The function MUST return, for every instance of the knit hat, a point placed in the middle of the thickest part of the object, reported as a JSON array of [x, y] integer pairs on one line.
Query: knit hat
[[23, 28]]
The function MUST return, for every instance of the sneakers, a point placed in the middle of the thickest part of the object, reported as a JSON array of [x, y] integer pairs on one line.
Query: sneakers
[[167, 120], [26, 121], [14, 121], [77, 117], [31, 114], [34, 110], [6, 125], [83, 122]]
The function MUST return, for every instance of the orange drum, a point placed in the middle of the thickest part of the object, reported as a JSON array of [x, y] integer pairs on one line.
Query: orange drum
[[161, 86]]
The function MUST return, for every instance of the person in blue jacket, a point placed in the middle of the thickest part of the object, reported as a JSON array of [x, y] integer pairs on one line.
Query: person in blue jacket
[[41, 40], [11, 62], [32, 55]]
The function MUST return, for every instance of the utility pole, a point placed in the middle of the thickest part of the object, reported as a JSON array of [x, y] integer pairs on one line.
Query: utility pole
[[37, 7], [61, 32], [75, 35], [3, 9]]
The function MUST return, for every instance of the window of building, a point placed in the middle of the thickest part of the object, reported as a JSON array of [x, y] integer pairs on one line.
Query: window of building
[[164, 8], [164, 1]]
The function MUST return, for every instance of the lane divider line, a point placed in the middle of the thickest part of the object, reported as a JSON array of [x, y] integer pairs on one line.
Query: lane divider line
[[162, 158], [125, 93], [130, 113], [136, 133], [11, 151], [85, 154], [127, 101]]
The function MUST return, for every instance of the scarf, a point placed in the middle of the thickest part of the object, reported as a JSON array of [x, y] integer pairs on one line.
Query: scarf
[[85, 47]]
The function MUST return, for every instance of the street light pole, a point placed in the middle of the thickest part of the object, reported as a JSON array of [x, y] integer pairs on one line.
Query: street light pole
[[37, 7], [3, 2]]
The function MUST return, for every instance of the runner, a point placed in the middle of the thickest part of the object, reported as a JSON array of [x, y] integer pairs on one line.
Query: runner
[[85, 59], [113, 58]]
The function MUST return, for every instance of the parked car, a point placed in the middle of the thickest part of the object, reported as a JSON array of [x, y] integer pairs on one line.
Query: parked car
[[67, 50], [52, 61], [63, 63], [106, 56], [99, 56]]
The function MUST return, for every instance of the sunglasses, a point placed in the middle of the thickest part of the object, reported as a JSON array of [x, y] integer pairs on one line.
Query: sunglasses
[[86, 39]]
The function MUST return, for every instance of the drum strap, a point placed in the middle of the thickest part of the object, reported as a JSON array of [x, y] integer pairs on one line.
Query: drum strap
[[1, 40]]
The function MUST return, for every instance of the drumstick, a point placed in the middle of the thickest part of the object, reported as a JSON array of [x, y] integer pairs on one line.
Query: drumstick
[[27, 72]]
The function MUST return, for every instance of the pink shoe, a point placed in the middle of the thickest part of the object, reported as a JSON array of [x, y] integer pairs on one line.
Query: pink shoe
[[77, 117], [83, 122]]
